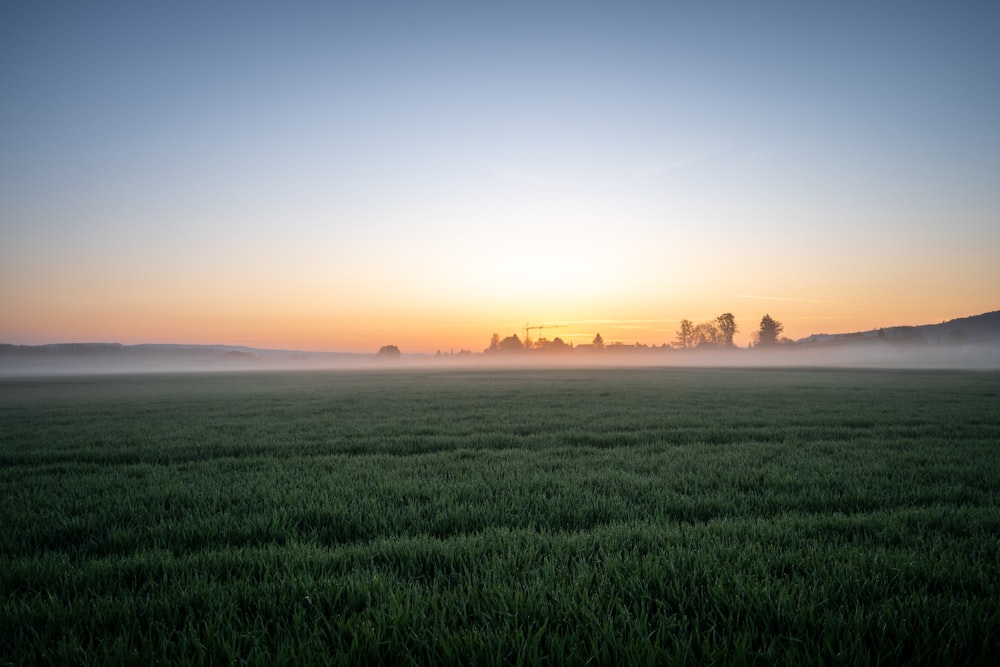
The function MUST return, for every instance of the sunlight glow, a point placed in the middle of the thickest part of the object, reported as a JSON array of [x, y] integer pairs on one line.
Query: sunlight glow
[[340, 180]]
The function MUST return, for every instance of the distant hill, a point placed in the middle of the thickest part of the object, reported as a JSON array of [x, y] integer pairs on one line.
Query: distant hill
[[978, 330], [118, 358]]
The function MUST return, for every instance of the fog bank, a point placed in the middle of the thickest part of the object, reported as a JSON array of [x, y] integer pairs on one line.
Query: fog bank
[[71, 359]]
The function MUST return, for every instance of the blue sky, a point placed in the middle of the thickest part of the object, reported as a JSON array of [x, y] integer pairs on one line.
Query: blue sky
[[207, 173]]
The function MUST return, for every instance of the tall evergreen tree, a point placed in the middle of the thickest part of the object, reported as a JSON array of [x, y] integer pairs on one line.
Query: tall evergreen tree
[[770, 331]]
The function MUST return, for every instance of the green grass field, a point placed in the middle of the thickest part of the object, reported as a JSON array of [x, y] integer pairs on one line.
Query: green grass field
[[600, 516]]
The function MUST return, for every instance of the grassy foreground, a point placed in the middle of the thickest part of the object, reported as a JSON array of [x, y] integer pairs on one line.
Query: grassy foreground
[[639, 516]]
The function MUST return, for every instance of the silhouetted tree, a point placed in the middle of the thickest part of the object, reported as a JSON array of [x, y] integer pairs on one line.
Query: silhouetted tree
[[558, 345], [770, 331], [685, 335], [389, 352], [705, 334], [510, 344], [494, 343], [598, 342], [726, 324]]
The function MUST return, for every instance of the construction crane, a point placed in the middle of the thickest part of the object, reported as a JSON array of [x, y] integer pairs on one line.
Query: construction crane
[[528, 328]]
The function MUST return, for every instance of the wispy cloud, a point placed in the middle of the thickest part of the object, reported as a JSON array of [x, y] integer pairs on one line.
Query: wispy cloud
[[622, 324], [658, 169], [782, 298], [613, 321]]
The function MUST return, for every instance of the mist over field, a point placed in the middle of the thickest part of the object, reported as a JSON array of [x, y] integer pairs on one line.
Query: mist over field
[[964, 343], [102, 359]]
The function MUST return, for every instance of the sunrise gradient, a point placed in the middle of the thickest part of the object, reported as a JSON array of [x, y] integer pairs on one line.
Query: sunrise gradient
[[327, 177]]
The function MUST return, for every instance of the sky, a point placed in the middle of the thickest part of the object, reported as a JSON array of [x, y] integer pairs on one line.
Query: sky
[[341, 176]]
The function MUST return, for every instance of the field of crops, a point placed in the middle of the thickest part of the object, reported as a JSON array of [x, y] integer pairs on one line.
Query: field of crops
[[601, 516]]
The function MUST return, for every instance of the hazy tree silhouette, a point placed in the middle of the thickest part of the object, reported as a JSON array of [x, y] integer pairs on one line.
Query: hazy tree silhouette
[[389, 352], [598, 342], [558, 345], [494, 343], [685, 335], [705, 334], [770, 331], [510, 344], [726, 324]]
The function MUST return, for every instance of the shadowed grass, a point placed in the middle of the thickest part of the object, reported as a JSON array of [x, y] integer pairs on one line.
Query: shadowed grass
[[634, 516]]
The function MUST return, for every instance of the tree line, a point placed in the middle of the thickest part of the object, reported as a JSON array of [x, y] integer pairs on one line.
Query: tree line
[[720, 331], [716, 333]]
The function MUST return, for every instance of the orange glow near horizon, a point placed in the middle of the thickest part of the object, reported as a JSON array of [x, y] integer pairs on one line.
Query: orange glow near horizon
[[368, 178], [425, 329], [430, 302], [422, 298]]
